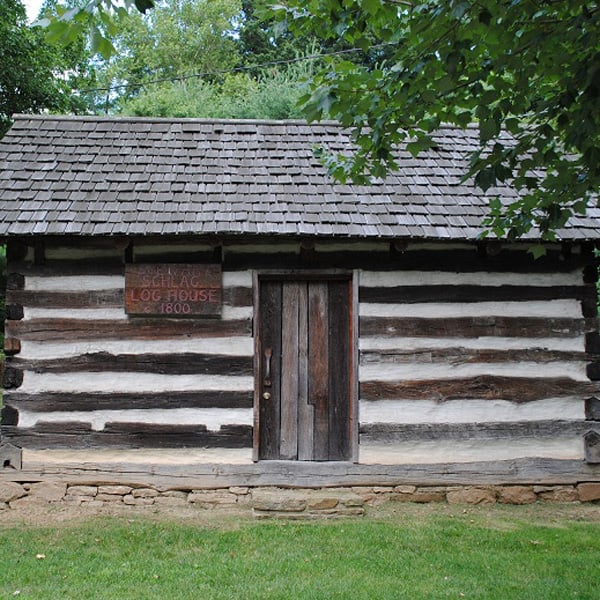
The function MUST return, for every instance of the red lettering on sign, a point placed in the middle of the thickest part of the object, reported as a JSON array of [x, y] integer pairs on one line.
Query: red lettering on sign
[[173, 290]]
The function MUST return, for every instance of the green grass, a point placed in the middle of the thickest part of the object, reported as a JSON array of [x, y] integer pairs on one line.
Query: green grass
[[412, 553]]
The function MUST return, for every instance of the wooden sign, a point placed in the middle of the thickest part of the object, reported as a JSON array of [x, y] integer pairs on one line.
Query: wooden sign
[[173, 290]]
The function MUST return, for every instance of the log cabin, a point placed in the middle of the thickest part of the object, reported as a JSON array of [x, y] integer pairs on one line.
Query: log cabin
[[202, 289]]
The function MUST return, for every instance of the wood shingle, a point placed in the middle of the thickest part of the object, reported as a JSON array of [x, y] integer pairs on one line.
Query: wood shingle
[[109, 176]]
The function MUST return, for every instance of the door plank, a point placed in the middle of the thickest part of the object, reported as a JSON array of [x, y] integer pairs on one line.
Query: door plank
[[289, 372], [306, 412], [318, 365], [270, 331], [340, 359]]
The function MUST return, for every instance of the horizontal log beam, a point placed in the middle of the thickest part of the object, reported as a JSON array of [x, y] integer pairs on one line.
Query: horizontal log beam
[[77, 299], [483, 387], [473, 293], [453, 260], [126, 435], [55, 401], [114, 298], [472, 327], [84, 266], [541, 471], [462, 355], [172, 364], [137, 329], [384, 433]]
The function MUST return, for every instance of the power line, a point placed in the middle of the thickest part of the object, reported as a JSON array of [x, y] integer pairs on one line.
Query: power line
[[239, 69]]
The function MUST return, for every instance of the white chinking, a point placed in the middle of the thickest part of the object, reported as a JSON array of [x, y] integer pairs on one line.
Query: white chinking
[[469, 411]]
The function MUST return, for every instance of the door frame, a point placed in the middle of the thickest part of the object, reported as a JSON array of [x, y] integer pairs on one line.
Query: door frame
[[307, 275]]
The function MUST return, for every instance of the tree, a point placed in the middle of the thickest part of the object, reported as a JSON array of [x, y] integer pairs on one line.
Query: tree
[[526, 68], [177, 39], [526, 72], [28, 81]]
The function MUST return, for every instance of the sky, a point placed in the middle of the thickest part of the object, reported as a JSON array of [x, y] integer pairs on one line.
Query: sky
[[33, 8]]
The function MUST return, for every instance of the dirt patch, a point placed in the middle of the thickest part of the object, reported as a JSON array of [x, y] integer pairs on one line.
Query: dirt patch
[[497, 516]]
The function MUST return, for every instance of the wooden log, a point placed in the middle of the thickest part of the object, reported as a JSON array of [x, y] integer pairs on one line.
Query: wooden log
[[12, 346], [109, 298], [593, 371], [9, 415], [590, 274], [198, 475], [14, 311], [472, 327], [173, 364], [592, 409], [76, 435], [452, 260], [237, 296], [137, 329], [460, 355], [55, 268], [56, 401], [11, 457], [76, 299], [589, 307], [591, 442], [12, 378], [592, 342], [474, 293], [15, 281], [390, 433], [483, 387], [177, 436]]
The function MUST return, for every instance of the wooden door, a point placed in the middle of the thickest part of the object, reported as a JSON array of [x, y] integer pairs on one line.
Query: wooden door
[[304, 369]]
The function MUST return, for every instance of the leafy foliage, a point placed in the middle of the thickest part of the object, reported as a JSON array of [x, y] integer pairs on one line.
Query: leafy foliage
[[236, 96], [28, 77], [523, 67], [193, 58], [526, 72]]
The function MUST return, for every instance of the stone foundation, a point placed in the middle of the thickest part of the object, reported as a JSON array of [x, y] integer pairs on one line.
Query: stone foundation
[[269, 502]]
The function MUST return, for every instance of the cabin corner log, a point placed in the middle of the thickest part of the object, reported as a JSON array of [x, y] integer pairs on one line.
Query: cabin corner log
[[593, 371], [12, 346], [592, 409], [15, 281], [14, 312], [592, 446], [8, 416], [592, 342], [12, 377]]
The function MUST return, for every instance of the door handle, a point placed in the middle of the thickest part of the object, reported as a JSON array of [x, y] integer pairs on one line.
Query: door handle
[[268, 356]]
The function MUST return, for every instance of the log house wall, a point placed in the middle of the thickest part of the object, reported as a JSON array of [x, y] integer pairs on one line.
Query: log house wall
[[464, 355]]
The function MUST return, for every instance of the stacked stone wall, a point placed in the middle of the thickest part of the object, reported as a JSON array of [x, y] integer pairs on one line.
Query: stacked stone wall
[[276, 502]]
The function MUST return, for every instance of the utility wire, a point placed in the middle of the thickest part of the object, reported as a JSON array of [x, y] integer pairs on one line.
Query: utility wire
[[239, 69]]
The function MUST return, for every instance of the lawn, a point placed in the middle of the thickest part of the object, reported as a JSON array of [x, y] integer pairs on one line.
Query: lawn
[[405, 552]]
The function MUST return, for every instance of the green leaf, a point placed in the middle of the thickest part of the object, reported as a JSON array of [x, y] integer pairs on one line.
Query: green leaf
[[144, 5], [460, 9]]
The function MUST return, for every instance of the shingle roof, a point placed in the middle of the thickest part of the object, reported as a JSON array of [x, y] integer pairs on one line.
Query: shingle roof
[[117, 176]]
